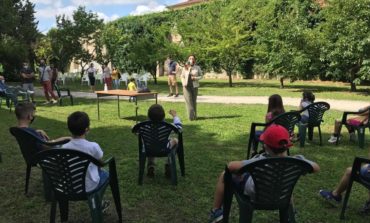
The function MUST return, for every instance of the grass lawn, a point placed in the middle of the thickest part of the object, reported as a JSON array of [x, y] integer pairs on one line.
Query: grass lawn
[[219, 136], [322, 89]]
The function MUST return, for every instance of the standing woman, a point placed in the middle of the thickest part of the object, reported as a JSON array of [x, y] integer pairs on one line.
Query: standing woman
[[190, 76], [107, 75]]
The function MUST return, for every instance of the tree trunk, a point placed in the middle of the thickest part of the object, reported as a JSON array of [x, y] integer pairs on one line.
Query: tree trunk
[[229, 73], [281, 82], [153, 73], [353, 85]]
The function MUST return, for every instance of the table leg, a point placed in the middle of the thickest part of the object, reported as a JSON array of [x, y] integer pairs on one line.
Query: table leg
[[156, 98], [119, 112], [136, 108], [98, 107]]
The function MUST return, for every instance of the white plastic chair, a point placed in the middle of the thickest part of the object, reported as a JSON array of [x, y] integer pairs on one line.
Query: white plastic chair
[[124, 78], [62, 78], [85, 79]]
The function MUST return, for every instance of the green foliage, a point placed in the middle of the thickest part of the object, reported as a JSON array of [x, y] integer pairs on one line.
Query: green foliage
[[18, 34], [346, 43]]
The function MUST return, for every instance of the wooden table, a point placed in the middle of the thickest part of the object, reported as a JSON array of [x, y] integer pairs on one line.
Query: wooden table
[[118, 93]]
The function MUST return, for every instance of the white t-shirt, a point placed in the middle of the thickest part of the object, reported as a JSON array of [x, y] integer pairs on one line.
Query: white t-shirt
[[94, 150]]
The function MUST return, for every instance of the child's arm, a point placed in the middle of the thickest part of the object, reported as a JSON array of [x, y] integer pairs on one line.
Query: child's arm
[[235, 166], [176, 120]]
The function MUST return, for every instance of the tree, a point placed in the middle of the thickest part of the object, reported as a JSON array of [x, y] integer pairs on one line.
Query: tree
[[345, 40], [18, 33], [287, 46]]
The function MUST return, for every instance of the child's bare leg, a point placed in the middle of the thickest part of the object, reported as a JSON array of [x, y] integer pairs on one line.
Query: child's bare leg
[[343, 184], [219, 192]]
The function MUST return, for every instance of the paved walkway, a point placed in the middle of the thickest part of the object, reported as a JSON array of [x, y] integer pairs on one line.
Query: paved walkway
[[341, 105]]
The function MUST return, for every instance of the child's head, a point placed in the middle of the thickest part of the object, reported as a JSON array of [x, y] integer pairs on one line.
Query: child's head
[[308, 96], [78, 123], [25, 111], [132, 79], [276, 139], [156, 113], [275, 104]]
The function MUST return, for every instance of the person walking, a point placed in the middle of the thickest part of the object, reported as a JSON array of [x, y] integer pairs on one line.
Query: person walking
[[45, 80], [190, 76], [115, 77], [91, 72], [54, 75]]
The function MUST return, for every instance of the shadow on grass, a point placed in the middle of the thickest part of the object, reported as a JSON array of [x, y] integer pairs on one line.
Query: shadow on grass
[[218, 117]]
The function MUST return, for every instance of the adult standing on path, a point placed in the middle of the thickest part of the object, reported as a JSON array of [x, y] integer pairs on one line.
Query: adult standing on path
[[172, 83], [45, 79], [91, 72], [28, 76], [107, 75], [190, 76]]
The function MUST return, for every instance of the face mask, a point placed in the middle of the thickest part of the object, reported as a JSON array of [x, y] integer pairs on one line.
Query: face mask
[[33, 118]]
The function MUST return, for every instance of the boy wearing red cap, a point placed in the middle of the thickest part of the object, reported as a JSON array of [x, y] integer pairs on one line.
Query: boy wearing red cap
[[276, 141]]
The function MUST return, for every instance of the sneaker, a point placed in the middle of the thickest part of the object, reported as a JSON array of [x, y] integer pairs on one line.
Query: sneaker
[[352, 137], [150, 172], [46, 102], [216, 215], [176, 95], [333, 139], [328, 195], [366, 208], [170, 95], [105, 206], [54, 101], [167, 171]]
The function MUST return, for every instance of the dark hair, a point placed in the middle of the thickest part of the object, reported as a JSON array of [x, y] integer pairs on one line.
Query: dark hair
[[78, 122], [132, 79], [308, 95], [276, 150], [275, 105], [22, 110], [156, 113]]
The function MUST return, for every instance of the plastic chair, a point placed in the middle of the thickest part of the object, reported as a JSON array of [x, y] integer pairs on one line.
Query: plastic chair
[[153, 139], [316, 112], [274, 180], [287, 120], [355, 177], [360, 129], [29, 146], [66, 170], [124, 78], [85, 79], [63, 93]]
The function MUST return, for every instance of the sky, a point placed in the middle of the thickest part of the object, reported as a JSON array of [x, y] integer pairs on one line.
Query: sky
[[47, 10]]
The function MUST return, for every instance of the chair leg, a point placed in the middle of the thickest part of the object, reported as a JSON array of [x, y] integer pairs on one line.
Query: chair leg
[[60, 101], [53, 210], [28, 173], [310, 133], [284, 215], [228, 195], [172, 160], [291, 213], [320, 135], [63, 208], [95, 208], [246, 213], [346, 198], [71, 100], [142, 160], [302, 134], [361, 137], [113, 182], [180, 156]]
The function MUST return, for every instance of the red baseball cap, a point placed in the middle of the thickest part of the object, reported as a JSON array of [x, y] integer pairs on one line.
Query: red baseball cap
[[276, 137]]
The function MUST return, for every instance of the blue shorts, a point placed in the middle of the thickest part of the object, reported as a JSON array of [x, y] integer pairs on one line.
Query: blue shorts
[[239, 182], [365, 172], [104, 177]]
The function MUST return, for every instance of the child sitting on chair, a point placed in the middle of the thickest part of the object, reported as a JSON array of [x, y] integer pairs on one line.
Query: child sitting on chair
[[276, 142], [156, 113], [307, 98], [26, 114], [79, 125]]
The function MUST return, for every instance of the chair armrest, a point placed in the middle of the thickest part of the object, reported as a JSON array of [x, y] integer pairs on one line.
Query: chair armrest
[[108, 161], [345, 114], [51, 144]]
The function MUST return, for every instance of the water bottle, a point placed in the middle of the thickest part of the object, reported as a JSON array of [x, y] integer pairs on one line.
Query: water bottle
[[105, 87]]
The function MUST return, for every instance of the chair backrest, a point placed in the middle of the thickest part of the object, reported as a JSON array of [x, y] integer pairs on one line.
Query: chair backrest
[[316, 112], [274, 180], [153, 136], [66, 169], [28, 143], [287, 120]]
